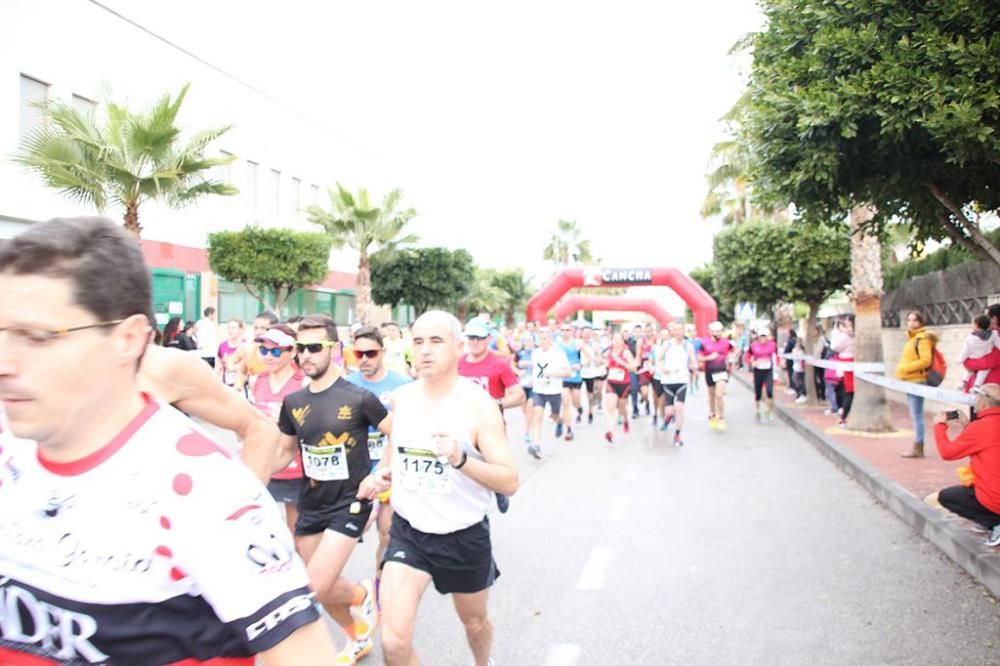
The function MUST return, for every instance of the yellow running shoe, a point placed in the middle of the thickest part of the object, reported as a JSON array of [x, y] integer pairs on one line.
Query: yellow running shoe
[[365, 614], [713, 423], [354, 652], [720, 424]]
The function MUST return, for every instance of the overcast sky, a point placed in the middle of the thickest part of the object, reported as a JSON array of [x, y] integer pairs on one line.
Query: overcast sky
[[498, 119]]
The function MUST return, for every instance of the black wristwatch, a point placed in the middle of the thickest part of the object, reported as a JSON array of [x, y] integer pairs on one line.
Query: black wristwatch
[[465, 459]]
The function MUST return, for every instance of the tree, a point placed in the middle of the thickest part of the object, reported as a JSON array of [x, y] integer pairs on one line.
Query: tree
[[277, 259], [127, 159], [704, 275], [484, 295], [890, 106], [422, 277], [516, 290], [567, 246], [765, 263], [354, 222]]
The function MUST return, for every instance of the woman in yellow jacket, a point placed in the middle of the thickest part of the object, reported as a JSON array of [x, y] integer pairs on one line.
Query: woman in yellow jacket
[[918, 352]]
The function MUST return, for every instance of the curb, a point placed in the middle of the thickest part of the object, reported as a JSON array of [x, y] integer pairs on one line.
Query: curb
[[980, 562]]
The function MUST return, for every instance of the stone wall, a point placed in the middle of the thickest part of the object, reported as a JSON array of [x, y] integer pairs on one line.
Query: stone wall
[[949, 343]]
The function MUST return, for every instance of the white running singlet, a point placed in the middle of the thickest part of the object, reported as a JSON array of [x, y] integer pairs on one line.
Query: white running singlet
[[155, 549]]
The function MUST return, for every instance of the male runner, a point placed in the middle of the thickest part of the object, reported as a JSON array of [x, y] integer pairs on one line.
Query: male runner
[[329, 420], [525, 370], [448, 455], [398, 354], [129, 535], [715, 354], [373, 375], [572, 347], [675, 363], [594, 368], [550, 366]]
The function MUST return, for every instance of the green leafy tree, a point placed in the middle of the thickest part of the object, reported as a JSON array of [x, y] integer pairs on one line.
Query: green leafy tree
[[517, 290], [704, 275], [126, 159], [281, 260], [889, 106], [567, 245], [425, 278], [354, 222], [484, 295]]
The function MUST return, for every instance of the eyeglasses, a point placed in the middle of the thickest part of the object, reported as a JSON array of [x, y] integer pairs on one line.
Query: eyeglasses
[[41, 336], [314, 347], [276, 352], [476, 337], [366, 353]]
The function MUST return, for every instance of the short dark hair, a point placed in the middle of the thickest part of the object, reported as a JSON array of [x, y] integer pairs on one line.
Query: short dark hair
[[982, 322], [101, 260], [993, 312], [371, 333], [271, 318], [320, 321], [209, 311], [386, 325], [294, 319]]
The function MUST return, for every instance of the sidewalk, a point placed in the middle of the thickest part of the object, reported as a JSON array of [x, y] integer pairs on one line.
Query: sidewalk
[[900, 484]]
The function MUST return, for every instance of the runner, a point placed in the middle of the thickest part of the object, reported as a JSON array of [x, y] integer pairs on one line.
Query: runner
[[550, 367], [573, 348], [647, 342], [594, 369], [447, 458], [525, 370], [281, 379], [715, 354], [225, 363], [491, 372], [248, 359], [329, 420], [761, 357], [677, 362], [177, 554], [620, 363], [398, 353], [373, 375]]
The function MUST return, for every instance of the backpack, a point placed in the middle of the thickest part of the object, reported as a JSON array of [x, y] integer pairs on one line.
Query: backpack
[[939, 366]]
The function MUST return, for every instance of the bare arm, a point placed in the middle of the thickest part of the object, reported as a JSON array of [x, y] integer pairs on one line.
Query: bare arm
[[309, 645], [497, 471], [513, 396], [288, 447], [187, 382]]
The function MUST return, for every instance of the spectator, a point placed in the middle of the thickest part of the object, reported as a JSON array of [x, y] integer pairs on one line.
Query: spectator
[[820, 350], [978, 498], [174, 336], [207, 335], [799, 373], [790, 343], [918, 352], [990, 362], [842, 345], [980, 342]]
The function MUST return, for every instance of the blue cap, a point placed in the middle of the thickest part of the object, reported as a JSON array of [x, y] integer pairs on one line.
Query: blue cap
[[476, 329]]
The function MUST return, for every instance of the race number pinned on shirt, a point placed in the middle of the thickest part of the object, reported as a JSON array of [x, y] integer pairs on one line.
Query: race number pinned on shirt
[[325, 463], [763, 365], [720, 376], [616, 374], [421, 471], [376, 444]]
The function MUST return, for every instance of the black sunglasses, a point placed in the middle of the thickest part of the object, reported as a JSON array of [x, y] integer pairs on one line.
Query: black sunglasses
[[367, 353], [313, 347], [476, 337]]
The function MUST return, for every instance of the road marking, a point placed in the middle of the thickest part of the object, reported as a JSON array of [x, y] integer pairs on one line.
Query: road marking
[[592, 577], [619, 507], [563, 654]]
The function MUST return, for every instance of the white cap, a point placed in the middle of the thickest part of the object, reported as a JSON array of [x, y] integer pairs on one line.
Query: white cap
[[277, 338]]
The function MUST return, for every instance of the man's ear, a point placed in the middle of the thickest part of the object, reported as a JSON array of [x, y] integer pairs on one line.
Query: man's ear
[[132, 335]]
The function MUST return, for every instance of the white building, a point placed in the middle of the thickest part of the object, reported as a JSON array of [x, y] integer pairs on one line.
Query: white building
[[81, 52]]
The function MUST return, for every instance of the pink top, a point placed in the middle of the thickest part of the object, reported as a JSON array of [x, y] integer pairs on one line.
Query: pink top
[[226, 349], [722, 347], [269, 402], [761, 354]]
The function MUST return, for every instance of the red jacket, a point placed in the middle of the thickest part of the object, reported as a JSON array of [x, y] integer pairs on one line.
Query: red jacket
[[980, 441], [989, 362]]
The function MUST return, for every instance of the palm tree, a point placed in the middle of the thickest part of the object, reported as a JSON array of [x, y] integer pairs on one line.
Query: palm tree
[[353, 222], [567, 246], [128, 159]]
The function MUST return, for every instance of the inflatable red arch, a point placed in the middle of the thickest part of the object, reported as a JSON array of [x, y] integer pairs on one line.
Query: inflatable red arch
[[576, 302], [702, 305]]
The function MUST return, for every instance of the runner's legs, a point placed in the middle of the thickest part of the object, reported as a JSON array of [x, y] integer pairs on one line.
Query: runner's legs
[[402, 589], [325, 555], [472, 612]]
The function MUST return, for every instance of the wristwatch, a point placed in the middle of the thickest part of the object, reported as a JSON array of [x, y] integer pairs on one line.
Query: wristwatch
[[465, 459]]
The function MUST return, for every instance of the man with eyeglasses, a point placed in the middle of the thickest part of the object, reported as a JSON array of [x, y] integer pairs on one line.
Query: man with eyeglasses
[[373, 376], [328, 421], [129, 536]]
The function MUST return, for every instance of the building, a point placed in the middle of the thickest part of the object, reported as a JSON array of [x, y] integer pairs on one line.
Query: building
[[83, 52]]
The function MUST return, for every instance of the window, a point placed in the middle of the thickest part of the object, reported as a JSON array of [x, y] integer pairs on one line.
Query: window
[[275, 193], [33, 91], [224, 172], [296, 198], [85, 106], [251, 191]]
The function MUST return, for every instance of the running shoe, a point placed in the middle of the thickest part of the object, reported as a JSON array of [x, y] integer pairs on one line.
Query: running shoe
[[720, 424], [354, 651], [770, 417], [365, 614], [994, 538], [609, 437], [801, 400], [677, 440], [654, 419], [635, 413], [841, 423], [535, 451], [666, 424], [503, 504], [713, 423], [756, 417], [590, 418], [579, 414], [569, 435], [527, 438], [625, 426], [559, 429]]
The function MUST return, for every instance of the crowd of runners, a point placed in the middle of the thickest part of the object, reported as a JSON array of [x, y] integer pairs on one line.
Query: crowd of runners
[[134, 538]]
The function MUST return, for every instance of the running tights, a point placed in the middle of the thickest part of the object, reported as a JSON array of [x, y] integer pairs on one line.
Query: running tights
[[762, 378]]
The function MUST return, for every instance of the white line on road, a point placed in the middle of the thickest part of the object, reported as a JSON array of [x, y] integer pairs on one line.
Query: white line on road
[[563, 654], [619, 507], [592, 577]]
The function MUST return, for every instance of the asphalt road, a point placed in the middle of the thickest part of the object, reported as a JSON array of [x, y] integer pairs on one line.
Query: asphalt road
[[742, 547]]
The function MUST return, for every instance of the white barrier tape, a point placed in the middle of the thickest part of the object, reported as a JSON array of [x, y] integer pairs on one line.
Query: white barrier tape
[[843, 366], [929, 392]]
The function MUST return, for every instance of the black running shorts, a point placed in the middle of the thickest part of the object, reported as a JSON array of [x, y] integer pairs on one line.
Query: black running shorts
[[710, 380], [621, 390], [553, 401], [341, 521], [589, 381], [657, 387], [285, 490], [460, 561], [675, 393]]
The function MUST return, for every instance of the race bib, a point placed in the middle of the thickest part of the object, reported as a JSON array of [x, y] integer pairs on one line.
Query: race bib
[[616, 375], [421, 471], [376, 444], [720, 376], [325, 463], [229, 377], [763, 365]]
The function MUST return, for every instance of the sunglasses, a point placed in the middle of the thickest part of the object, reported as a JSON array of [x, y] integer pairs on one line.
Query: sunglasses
[[276, 352], [476, 337], [314, 347], [367, 353]]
